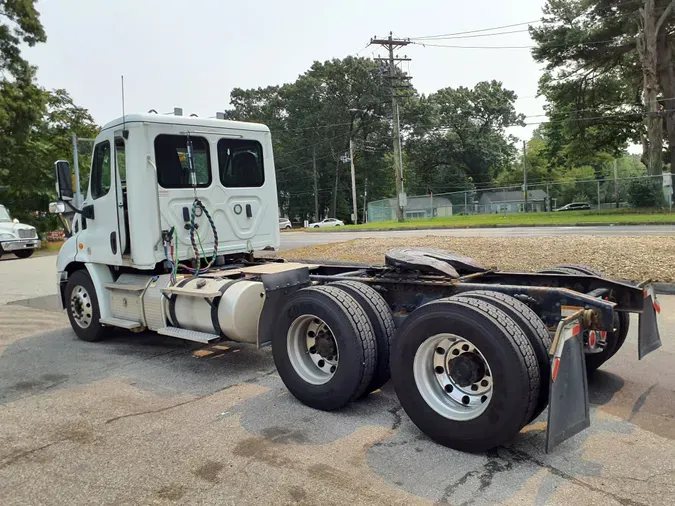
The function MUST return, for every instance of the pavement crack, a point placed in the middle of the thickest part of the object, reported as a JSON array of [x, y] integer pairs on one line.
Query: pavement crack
[[520, 456], [12, 459], [165, 408], [640, 402], [253, 379]]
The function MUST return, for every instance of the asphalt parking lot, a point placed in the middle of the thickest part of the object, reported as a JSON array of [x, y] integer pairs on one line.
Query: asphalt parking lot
[[144, 419]]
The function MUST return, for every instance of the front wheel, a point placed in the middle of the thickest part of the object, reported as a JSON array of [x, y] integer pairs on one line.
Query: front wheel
[[82, 307], [316, 226], [24, 253]]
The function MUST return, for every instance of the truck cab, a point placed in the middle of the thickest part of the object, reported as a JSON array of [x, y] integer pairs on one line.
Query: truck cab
[[16, 237], [140, 189]]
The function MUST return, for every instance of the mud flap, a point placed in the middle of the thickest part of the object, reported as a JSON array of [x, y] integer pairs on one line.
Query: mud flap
[[649, 338], [568, 410]]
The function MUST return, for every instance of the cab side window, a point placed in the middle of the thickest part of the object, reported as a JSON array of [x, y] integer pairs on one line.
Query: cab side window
[[100, 170]]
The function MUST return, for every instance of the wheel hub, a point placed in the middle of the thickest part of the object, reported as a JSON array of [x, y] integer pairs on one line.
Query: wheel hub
[[325, 345], [466, 369], [453, 377], [312, 349], [80, 305]]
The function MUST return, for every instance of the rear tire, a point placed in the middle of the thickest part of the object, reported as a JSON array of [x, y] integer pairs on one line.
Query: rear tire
[[82, 307], [339, 365], [535, 331], [379, 314], [509, 358], [24, 253]]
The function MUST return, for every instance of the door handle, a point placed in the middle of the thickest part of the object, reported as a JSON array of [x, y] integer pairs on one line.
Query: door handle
[[249, 211], [113, 242]]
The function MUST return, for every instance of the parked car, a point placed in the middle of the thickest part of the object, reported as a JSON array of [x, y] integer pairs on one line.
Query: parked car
[[15, 237], [285, 224], [327, 222], [575, 206]]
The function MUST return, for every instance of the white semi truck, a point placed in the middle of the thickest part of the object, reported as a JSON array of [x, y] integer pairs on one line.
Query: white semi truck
[[16, 237], [165, 242]]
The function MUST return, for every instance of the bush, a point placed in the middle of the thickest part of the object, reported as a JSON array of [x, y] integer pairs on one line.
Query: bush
[[645, 192]]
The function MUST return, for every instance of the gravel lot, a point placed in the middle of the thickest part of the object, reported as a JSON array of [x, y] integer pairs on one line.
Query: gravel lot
[[632, 258]]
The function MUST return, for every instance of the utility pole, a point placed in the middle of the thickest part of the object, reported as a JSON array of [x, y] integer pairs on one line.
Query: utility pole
[[525, 175], [351, 161], [365, 200], [337, 179], [391, 44], [316, 186], [616, 184]]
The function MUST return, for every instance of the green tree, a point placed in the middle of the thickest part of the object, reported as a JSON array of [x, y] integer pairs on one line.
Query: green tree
[[467, 143], [609, 77]]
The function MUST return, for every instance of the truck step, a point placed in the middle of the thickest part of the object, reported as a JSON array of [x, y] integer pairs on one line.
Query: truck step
[[119, 322], [188, 335]]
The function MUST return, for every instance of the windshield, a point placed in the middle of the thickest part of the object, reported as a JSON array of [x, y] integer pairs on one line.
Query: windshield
[[4, 214]]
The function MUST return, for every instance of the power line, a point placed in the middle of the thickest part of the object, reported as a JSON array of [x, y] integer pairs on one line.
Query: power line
[[590, 43], [475, 35], [475, 31]]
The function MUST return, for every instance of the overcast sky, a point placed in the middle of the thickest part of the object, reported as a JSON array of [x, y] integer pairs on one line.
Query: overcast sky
[[190, 54]]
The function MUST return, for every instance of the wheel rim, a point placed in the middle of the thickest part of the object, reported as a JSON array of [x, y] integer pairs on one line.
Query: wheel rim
[[312, 349], [453, 377], [80, 305]]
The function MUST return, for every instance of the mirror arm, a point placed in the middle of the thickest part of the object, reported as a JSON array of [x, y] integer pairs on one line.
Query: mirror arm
[[87, 211]]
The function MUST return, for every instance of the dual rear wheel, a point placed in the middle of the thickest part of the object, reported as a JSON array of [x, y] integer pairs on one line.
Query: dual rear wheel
[[470, 371], [332, 344]]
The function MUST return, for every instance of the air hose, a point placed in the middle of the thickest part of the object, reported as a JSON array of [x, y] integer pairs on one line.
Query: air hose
[[197, 204]]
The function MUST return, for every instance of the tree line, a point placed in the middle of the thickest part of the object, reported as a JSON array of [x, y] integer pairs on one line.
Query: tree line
[[609, 81]]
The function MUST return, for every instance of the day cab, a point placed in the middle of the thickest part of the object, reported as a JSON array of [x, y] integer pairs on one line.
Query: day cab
[[140, 191]]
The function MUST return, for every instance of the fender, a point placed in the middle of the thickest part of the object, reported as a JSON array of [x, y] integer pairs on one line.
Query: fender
[[100, 275]]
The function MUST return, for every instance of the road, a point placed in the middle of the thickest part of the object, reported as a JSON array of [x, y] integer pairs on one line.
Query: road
[[292, 240], [144, 419]]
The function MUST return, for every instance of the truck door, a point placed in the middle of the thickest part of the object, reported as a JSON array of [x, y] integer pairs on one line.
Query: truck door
[[101, 237]]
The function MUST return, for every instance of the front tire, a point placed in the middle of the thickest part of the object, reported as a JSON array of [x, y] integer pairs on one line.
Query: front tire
[[324, 348], [24, 253], [480, 402], [83, 309], [316, 226]]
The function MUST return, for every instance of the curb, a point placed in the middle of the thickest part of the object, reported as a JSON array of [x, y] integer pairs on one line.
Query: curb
[[496, 225], [664, 288]]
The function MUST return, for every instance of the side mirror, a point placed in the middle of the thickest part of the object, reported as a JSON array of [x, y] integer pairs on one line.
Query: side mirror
[[57, 208], [64, 183], [15, 220]]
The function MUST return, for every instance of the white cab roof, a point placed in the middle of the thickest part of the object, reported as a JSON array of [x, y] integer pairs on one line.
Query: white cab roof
[[194, 122]]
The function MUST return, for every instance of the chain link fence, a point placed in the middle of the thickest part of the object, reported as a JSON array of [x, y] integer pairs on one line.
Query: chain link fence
[[590, 195]]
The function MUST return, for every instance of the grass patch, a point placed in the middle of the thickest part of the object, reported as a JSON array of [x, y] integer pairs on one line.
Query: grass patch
[[610, 216]]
